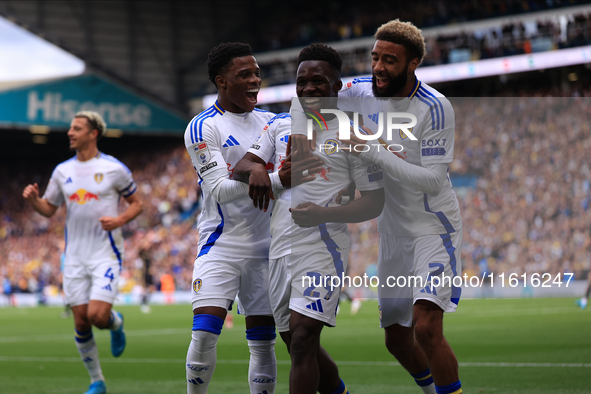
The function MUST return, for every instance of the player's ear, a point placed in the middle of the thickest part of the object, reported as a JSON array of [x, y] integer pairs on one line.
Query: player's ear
[[94, 133], [337, 86], [220, 82], [412, 66]]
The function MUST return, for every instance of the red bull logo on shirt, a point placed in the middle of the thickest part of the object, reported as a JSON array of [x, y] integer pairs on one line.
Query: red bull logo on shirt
[[82, 196]]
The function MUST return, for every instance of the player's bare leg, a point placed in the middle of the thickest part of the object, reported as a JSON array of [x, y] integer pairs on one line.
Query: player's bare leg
[[305, 352], [428, 323], [401, 343], [262, 367], [329, 372]]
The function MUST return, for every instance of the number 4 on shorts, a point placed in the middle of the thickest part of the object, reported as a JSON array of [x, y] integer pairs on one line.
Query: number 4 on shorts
[[109, 274]]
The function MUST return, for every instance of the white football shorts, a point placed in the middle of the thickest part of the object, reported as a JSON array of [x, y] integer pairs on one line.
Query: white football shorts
[[218, 279], [302, 282], [91, 281], [406, 266]]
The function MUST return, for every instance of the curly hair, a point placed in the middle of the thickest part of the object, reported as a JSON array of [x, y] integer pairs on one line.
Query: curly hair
[[405, 34], [322, 52], [219, 59]]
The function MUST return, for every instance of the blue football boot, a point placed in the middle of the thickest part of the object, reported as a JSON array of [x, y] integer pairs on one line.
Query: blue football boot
[[118, 339], [97, 387]]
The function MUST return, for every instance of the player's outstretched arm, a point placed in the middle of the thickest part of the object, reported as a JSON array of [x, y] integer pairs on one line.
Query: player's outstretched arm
[[429, 179], [367, 207], [134, 208], [41, 205]]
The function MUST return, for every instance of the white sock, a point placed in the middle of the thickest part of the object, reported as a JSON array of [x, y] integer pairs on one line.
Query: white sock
[[430, 389], [201, 359], [262, 369], [115, 321], [425, 381], [89, 354]]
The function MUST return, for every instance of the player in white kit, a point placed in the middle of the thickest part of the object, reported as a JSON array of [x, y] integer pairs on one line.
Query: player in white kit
[[312, 241], [91, 184], [234, 236], [420, 227]]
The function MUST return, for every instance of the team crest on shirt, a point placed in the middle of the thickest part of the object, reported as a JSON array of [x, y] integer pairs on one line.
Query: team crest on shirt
[[202, 153], [98, 177], [197, 285], [330, 147], [402, 134]]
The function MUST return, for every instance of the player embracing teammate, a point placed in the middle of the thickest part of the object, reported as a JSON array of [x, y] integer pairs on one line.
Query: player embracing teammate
[[420, 227]]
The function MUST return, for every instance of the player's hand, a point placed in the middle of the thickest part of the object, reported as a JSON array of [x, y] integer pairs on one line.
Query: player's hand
[[260, 189], [110, 223], [31, 192], [300, 146], [292, 173], [356, 143], [307, 214], [347, 195]]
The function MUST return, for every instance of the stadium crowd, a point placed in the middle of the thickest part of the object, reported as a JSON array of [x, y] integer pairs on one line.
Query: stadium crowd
[[301, 26], [510, 39], [527, 208]]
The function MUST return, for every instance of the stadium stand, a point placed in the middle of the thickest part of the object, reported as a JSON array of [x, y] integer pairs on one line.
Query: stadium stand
[[519, 215]]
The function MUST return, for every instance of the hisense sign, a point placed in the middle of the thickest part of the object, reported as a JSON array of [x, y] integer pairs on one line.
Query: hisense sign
[[51, 107]]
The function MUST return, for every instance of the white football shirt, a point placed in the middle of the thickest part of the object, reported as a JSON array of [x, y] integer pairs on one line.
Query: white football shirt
[[91, 189], [409, 212], [216, 140], [339, 170]]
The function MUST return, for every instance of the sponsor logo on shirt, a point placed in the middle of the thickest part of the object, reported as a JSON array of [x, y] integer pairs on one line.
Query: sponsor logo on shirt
[[82, 196], [324, 173], [208, 167], [202, 153]]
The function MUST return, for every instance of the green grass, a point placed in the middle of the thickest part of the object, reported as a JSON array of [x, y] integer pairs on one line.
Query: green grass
[[38, 354]]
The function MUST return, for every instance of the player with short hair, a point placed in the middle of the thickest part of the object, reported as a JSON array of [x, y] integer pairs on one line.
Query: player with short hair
[[313, 240], [420, 227], [91, 184], [233, 235]]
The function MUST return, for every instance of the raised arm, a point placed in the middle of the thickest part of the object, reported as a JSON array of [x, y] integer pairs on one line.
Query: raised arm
[[41, 205]]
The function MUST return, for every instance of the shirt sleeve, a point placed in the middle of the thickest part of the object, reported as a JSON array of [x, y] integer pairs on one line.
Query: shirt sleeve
[[53, 193], [437, 140], [124, 184], [264, 146], [212, 168], [428, 179]]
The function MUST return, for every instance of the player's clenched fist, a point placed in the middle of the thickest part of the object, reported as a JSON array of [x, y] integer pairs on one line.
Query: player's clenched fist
[[31, 192], [110, 223]]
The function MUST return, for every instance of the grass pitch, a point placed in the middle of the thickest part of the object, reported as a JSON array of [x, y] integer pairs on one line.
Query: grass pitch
[[503, 346]]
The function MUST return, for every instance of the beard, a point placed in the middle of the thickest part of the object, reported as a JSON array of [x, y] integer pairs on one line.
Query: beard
[[394, 87]]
